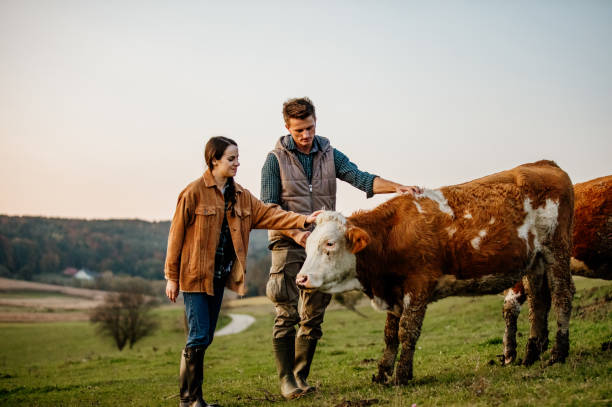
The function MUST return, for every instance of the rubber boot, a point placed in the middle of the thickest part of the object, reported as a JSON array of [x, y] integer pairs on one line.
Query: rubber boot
[[284, 351], [191, 375], [304, 352]]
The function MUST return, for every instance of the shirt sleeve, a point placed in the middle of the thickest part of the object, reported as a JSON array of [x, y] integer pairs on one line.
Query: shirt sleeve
[[270, 180], [182, 219], [271, 216], [347, 171]]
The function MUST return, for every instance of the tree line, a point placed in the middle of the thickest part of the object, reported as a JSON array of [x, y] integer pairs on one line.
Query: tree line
[[40, 249]]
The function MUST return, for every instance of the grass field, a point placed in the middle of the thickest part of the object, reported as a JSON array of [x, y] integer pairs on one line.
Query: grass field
[[66, 363]]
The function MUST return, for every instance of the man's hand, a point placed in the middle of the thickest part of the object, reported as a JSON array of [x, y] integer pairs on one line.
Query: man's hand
[[383, 186], [412, 190], [172, 290], [300, 237], [313, 216]]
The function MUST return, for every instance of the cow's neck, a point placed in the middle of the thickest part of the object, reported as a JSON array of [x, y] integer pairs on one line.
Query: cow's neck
[[371, 266], [385, 262]]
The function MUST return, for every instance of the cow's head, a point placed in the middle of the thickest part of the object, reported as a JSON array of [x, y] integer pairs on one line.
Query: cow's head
[[330, 255]]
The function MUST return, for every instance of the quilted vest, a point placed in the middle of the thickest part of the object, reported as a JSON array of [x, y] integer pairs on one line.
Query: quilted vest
[[299, 195]]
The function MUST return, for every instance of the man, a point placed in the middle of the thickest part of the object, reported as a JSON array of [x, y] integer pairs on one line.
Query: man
[[300, 175]]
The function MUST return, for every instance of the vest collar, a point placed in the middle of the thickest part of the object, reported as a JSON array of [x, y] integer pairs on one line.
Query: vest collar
[[288, 143]]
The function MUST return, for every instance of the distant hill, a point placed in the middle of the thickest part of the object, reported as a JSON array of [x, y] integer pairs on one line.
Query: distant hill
[[34, 248]]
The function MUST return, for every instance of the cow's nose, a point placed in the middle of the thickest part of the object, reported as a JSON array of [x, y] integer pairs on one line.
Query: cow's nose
[[301, 279]]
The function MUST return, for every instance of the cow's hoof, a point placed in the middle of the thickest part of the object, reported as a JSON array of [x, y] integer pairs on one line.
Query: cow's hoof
[[379, 378], [403, 376], [556, 357], [384, 372], [506, 360], [561, 349], [530, 360], [402, 380], [553, 361], [533, 352]]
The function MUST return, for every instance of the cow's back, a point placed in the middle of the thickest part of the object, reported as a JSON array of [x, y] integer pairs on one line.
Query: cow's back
[[539, 181]]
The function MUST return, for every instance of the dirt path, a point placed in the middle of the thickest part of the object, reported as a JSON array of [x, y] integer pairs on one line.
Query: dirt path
[[239, 323]]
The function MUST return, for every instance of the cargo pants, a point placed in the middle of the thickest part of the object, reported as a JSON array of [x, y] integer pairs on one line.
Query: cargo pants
[[292, 305]]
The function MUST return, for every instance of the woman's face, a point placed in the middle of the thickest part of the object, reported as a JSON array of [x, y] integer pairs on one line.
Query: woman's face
[[227, 165]]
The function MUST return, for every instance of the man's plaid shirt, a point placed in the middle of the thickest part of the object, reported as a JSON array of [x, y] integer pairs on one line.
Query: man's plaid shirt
[[345, 170]]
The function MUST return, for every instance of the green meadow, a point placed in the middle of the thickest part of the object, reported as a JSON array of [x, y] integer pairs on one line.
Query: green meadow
[[68, 364]]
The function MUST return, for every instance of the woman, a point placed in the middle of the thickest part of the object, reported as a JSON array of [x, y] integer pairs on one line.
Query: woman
[[207, 249]]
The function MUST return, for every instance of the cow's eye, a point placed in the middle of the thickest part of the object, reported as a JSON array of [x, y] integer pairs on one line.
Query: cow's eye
[[330, 244]]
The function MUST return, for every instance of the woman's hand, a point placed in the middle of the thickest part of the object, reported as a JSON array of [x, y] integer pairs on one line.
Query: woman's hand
[[301, 237], [172, 290], [313, 216]]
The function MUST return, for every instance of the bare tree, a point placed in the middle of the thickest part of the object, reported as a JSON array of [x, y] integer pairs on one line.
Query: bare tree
[[125, 317]]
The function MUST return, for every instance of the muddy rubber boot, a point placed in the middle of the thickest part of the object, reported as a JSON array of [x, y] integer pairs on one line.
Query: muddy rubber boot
[[304, 352], [284, 351], [191, 375]]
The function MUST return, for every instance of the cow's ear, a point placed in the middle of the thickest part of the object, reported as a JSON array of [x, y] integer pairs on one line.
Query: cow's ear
[[358, 238]]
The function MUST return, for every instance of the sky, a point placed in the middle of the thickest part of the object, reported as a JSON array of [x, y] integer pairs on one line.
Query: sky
[[105, 106]]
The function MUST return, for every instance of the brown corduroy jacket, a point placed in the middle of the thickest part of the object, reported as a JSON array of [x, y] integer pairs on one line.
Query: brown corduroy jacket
[[196, 227]]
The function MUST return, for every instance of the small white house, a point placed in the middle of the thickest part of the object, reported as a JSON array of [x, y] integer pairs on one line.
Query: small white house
[[82, 274]]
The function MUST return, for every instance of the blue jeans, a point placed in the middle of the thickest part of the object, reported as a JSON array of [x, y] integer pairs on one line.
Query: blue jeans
[[202, 313]]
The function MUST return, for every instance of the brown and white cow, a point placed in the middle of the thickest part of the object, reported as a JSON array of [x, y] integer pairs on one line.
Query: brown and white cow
[[475, 238], [591, 255]]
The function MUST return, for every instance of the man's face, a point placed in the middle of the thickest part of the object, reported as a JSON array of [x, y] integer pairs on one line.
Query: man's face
[[302, 131]]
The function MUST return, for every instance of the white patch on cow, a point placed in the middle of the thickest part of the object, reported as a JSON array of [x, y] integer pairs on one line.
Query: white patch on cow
[[476, 241], [379, 304], [406, 300], [511, 301], [437, 196], [467, 215], [451, 231], [492, 221], [418, 207], [540, 222]]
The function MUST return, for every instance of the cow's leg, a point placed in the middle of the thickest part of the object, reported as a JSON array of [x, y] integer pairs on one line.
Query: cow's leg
[[387, 362], [514, 298], [409, 332], [562, 291], [538, 295]]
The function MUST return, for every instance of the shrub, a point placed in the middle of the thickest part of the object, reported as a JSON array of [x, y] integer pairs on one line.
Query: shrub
[[125, 317]]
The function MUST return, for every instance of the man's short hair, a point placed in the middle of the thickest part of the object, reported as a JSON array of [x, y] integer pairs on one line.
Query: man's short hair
[[298, 108]]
